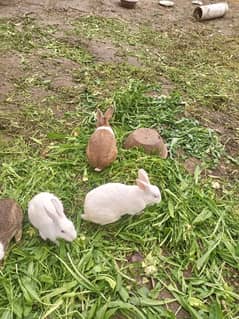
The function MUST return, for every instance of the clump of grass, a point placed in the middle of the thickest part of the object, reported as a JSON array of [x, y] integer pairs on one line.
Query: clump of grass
[[22, 35], [105, 78], [94, 26], [136, 109]]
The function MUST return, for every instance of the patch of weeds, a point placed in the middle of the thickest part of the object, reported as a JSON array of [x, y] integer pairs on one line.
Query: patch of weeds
[[22, 35], [59, 48], [105, 78], [100, 27], [201, 75], [35, 80], [25, 36], [205, 78], [119, 31]]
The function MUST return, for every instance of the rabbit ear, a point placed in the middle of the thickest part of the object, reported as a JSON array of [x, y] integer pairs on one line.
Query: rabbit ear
[[50, 214], [143, 176], [142, 185], [99, 117], [58, 207], [109, 112], [58, 210]]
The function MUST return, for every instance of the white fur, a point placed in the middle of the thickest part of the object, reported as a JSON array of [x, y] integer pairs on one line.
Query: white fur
[[1, 251], [107, 128], [109, 202], [46, 213]]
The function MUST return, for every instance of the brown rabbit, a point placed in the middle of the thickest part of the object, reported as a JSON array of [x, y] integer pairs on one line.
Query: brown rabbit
[[102, 149], [11, 217]]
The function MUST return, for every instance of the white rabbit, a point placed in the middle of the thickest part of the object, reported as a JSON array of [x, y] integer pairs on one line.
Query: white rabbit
[[46, 213], [109, 202]]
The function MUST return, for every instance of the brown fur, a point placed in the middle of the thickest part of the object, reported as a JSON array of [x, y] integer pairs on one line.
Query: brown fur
[[11, 217], [102, 148]]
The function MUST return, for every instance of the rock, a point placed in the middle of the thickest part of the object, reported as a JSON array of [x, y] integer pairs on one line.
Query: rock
[[129, 4], [149, 139]]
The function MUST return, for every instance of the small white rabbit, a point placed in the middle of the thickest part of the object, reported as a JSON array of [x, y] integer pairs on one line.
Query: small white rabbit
[[109, 202], [46, 213]]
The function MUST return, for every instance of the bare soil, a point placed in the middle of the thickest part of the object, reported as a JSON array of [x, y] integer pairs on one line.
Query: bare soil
[[60, 13], [180, 16], [9, 72]]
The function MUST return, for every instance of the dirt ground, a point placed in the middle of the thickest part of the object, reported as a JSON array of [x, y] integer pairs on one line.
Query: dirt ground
[[60, 13], [180, 16]]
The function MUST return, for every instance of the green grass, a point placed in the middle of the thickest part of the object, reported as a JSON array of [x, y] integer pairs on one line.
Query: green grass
[[203, 68], [189, 241]]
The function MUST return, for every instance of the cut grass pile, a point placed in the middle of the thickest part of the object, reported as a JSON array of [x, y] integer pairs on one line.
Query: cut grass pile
[[135, 109], [91, 278], [189, 241]]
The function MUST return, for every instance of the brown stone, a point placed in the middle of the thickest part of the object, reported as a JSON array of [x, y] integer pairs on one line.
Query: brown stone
[[129, 4], [149, 139]]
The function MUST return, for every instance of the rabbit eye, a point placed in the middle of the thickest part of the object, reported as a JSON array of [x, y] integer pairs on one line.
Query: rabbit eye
[[155, 196], [63, 231]]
